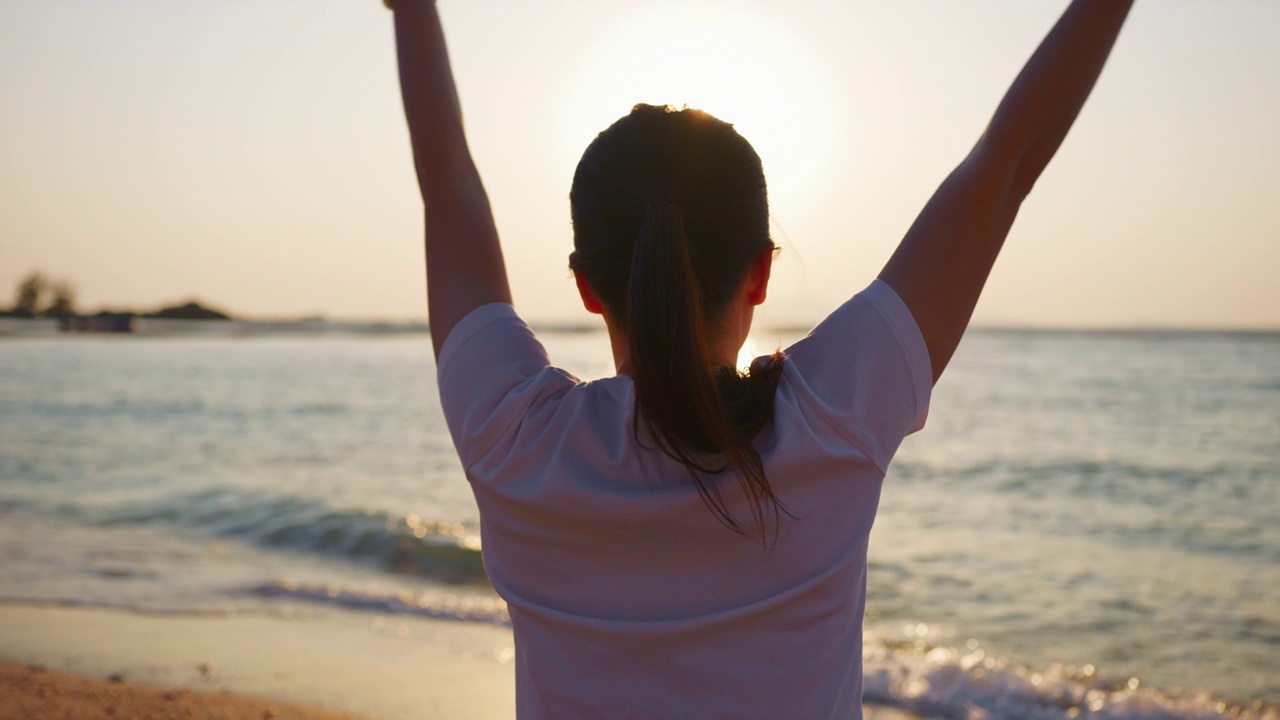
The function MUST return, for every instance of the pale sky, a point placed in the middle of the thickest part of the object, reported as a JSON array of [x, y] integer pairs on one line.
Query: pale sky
[[253, 154]]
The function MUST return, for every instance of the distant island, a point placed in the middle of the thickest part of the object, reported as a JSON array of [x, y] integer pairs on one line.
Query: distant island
[[42, 306], [39, 297], [189, 311]]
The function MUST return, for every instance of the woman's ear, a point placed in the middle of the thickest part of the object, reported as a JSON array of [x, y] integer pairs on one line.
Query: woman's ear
[[589, 299], [758, 277]]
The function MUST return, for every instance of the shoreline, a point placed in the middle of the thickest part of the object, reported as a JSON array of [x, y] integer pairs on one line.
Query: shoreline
[[304, 663], [344, 662]]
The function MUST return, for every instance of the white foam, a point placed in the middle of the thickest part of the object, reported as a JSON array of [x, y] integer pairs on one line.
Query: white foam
[[969, 685]]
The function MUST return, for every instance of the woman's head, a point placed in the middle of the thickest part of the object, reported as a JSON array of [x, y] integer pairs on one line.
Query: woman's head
[[663, 165], [670, 212]]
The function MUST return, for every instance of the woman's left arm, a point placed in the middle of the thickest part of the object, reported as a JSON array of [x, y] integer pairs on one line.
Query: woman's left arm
[[464, 258], [941, 266]]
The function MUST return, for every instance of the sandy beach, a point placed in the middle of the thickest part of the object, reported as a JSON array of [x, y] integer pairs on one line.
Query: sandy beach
[[33, 691], [73, 662], [340, 661]]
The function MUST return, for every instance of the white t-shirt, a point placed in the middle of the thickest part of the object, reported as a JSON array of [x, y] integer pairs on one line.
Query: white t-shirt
[[628, 597]]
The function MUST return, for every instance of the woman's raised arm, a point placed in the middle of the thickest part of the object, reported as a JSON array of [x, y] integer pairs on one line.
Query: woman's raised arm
[[941, 265], [464, 260]]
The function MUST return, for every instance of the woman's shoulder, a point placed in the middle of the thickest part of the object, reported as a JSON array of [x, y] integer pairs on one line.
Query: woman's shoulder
[[865, 371]]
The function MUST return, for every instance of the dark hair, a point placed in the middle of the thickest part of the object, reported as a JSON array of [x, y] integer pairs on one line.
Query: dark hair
[[669, 212]]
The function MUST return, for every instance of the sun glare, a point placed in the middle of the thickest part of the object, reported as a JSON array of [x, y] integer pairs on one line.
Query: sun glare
[[749, 351], [742, 67]]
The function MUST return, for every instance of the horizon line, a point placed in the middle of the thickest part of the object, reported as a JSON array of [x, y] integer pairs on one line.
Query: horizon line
[[413, 325]]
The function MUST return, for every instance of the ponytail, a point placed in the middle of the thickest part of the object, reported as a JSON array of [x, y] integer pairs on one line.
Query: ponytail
[[669, 212], [702, 417]]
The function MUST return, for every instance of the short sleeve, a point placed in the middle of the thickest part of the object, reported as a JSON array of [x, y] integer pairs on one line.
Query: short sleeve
[[491, 369], [865, 370]]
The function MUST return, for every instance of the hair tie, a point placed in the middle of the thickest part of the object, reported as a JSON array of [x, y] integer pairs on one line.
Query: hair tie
[[659, 208]]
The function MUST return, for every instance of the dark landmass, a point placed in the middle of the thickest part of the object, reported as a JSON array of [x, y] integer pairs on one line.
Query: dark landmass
[[114, 321], [189, 311]]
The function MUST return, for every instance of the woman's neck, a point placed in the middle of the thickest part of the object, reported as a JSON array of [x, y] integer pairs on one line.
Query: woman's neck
[[725, 342]]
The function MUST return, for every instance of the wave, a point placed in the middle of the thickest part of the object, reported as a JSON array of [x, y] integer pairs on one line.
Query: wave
[[933, 682], [488, 611], [942, 683], [1125, 479], [402, 544], [1055, 490], [954, 684]]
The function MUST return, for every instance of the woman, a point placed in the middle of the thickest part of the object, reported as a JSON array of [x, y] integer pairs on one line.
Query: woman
[[682, 540]]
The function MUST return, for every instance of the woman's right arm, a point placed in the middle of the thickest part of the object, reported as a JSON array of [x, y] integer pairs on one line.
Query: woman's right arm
[[941, 265], [464, 259]]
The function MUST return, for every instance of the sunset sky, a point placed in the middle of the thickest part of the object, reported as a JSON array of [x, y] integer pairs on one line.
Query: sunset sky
[[253, 155]]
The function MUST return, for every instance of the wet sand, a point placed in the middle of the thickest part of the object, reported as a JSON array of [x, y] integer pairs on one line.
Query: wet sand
[[324, 664]]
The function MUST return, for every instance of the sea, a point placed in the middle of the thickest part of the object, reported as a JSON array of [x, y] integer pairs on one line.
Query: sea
[[1088, 526]]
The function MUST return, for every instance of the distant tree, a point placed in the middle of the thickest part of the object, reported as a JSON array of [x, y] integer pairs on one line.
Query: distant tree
[[63, 304], [30, 291]]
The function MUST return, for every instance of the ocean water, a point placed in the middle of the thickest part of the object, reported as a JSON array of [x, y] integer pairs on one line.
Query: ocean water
[[1089, 525]]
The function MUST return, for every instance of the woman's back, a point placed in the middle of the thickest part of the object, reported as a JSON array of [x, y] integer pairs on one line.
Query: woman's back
[[628, 597]]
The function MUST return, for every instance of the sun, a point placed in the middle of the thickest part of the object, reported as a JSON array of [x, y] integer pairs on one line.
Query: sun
[[739, 65]]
